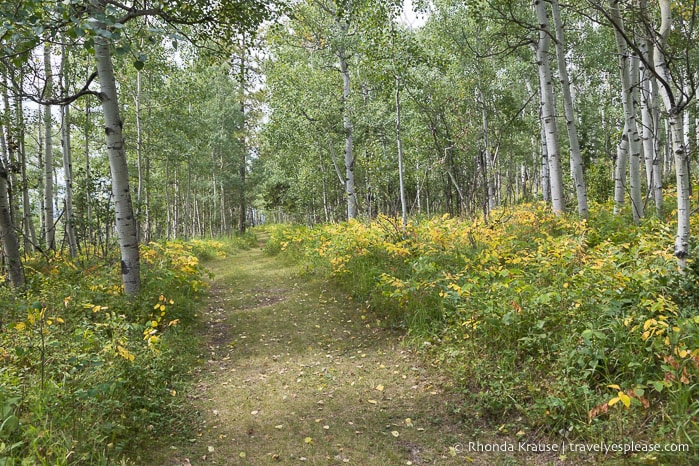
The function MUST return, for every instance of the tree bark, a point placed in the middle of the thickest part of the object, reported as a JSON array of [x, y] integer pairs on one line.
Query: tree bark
[[139, 154], [242, 170], [627, 63], [576, 164], [8, 236], [348, 127], [126, 226], [399, 143], [674, 112], [67, 160], [49, 224], [548, 106], [489, 165], [650, 133]]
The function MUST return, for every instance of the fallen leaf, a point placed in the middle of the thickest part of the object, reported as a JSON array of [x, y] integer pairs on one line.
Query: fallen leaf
[[395, 433], [380, 387], [308, 440], [372, 401]]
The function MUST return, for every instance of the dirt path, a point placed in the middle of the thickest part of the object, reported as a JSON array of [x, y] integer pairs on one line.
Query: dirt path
[[299, 374]]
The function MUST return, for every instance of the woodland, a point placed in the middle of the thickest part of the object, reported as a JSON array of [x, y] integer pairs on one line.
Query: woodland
[[510, 184]]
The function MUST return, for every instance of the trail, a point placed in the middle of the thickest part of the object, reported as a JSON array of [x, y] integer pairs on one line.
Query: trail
[[297, 373]]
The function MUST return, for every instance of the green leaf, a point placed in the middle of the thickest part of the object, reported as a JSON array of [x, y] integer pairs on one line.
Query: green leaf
[[139, 65], [658, 385]]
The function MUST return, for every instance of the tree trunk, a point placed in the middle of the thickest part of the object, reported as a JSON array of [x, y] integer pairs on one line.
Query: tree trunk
[[28, 229], [347, 125], [49, 225], [489, 165], [88, 177], [242, 205], [576, 164], [126, 226], [399, 143], [139, 155], [8, 236], [10, 147], [677, 139], [622, 157], [649, 132], [67, 160], [548, 106], [627, 64]]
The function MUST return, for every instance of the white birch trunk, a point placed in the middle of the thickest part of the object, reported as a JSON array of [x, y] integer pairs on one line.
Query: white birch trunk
[[489, 165], [548, 107], [677, 139], [626, 66], [349, 152], [49, 224], [139, 151], [622, 158], [576, 164], [67, 160], [399, 143], [126, 226], [686, 124]]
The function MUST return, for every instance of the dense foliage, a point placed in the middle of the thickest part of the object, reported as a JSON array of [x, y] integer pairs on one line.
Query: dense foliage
[[88, 374], [583, 328]]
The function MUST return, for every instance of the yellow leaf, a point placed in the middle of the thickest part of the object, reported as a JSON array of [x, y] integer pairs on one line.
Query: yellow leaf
[[395, 433], [614, 386], [379, 387], [124, 353], [60, 321], [625, 399], [372, 401], [408, 422], [613, 401], [242, 454], [308, 440]]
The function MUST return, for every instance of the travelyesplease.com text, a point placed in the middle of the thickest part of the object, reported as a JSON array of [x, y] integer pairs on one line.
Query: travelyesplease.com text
[[570, 447]]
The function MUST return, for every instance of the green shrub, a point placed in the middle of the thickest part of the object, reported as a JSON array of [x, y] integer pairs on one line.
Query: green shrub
[[575, 326]]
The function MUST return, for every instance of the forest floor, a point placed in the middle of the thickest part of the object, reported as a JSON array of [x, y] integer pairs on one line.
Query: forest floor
[[297, 373]]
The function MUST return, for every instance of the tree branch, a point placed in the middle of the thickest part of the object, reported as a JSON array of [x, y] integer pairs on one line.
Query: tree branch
[[68, 99]]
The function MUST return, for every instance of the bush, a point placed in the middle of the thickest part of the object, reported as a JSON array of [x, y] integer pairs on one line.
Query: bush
[[89, 374], [575, 326]]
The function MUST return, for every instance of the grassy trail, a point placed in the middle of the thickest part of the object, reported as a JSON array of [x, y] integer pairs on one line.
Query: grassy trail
[[298, 374]]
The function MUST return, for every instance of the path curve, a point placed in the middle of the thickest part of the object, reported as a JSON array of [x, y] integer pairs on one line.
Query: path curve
[[297, 373]]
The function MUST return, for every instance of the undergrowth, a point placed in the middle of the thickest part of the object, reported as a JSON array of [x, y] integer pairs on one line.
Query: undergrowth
[[89, 375], [584, 329]]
